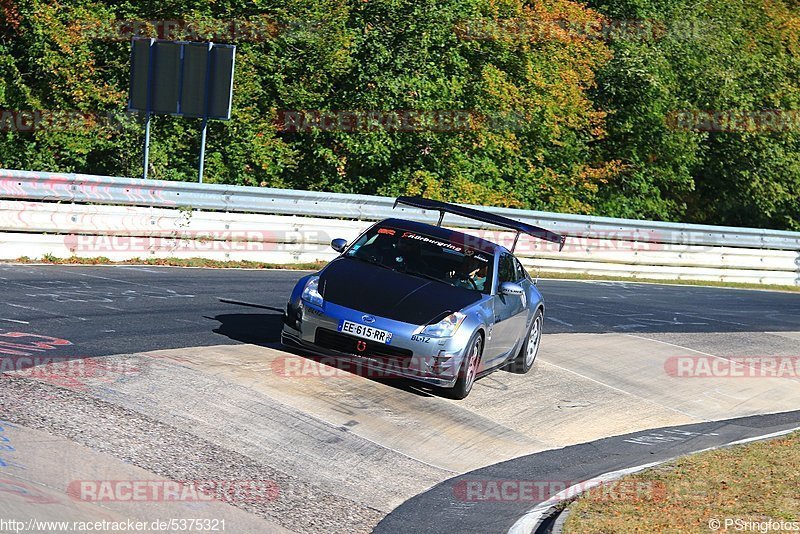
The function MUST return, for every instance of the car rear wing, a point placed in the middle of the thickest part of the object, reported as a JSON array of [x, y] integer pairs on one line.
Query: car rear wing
[[490, 218]]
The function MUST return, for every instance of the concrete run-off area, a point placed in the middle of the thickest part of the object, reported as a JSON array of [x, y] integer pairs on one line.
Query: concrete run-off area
[[175, 376]]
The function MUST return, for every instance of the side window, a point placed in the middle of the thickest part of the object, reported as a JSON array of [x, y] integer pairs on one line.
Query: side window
[[522, 273], [507, 270]]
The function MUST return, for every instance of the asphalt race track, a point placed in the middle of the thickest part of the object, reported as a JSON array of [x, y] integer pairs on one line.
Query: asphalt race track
[[472, 503], [164, 374]]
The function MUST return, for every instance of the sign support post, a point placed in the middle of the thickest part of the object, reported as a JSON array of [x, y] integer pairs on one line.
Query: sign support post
[[146, 143], [148, 111], [203, 148], [206, 92]]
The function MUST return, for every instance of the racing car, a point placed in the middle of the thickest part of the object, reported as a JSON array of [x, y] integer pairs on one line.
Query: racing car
[[423, 302]]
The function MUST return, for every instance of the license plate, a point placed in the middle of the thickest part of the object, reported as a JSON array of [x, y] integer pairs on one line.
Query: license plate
[[366, 332]]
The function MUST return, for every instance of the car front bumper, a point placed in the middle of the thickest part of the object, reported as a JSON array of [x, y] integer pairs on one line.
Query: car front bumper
[[433, 361]]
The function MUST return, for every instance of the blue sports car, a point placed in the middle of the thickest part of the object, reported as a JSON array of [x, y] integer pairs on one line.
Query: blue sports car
[[423, 302]]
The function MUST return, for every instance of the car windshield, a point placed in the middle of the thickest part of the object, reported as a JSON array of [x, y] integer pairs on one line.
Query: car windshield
[[425, 256]]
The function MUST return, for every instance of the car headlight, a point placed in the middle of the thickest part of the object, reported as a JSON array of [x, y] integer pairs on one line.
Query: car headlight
[[446, 327], [311, 292]]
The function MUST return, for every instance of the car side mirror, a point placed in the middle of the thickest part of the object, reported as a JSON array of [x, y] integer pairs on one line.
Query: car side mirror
[[510, 288], [339, 245]]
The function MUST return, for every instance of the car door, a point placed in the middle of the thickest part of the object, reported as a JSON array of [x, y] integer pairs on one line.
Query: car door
[[524, 279], [509, 311], [521, 320]]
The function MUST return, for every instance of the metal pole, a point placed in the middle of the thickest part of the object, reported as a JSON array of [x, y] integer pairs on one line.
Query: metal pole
[[207, 91], [150, 68], [203, 147], [146, 144]]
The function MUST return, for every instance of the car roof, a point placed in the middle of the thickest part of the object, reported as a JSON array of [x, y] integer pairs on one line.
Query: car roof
[[446, 234]]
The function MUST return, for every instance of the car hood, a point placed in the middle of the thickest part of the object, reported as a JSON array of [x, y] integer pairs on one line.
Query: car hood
[[386, 293]]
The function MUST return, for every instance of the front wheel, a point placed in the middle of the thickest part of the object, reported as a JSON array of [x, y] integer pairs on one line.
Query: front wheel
[[530, 348], [468, 370]]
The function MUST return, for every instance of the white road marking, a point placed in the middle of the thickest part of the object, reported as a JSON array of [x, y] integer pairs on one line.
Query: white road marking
[[695, 316], [131, 268], [559, 321], [14, 321], [188, 321], [674, 345], [698, 352], [666, 282], [31, 308], [149, 286], [625, 392]]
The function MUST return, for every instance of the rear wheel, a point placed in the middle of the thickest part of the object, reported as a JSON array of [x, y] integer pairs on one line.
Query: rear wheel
[[468, 370], [530, 348]]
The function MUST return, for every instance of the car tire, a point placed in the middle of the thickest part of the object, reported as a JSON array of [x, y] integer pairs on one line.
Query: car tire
[[530, 348], [468, 370]]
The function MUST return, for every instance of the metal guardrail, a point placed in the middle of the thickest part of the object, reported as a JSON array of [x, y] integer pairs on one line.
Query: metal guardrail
[[123, 218], [81, 188]]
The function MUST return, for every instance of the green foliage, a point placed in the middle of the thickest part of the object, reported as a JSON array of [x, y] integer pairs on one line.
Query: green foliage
[[712, 56], [559, 118]]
